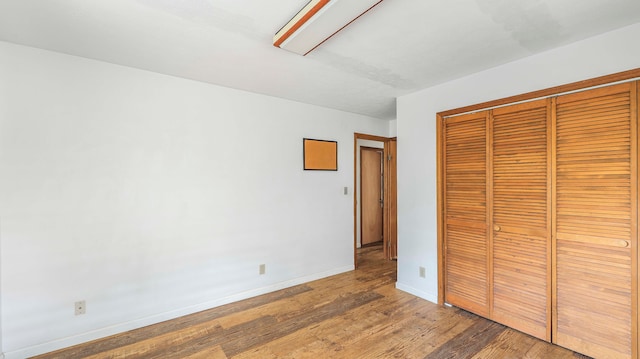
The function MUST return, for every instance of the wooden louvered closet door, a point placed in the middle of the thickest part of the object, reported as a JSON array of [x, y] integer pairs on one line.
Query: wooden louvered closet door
[[540, 218], [465, 213], [521, 216], [596, 222]]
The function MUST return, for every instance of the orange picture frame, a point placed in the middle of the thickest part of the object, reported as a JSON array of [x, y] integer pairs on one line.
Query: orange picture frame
[[320, 155]]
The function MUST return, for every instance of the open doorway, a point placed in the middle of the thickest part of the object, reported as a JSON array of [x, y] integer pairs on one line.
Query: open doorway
[[370, 193], [375, 210]]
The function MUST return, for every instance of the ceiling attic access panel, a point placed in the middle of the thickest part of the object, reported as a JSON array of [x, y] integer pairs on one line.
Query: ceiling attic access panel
[[317, 22]]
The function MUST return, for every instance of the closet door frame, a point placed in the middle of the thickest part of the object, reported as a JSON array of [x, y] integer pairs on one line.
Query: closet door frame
[[635, 273]]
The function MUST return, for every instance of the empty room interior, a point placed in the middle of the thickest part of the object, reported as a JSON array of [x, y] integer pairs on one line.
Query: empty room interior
[[319, 179]]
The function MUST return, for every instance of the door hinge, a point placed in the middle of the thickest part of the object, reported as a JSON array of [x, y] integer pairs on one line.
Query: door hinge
[[389, 157]]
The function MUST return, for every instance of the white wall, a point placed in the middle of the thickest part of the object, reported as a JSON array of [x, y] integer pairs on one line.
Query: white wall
[[393, 128], [416, 125], [151, 196]]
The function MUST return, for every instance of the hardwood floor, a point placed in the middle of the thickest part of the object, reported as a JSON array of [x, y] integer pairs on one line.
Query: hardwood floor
[[358, 314]]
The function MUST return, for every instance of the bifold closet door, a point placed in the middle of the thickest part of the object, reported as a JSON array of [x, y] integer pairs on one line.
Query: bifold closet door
[[465, 212], [596, 222], [521, 216]]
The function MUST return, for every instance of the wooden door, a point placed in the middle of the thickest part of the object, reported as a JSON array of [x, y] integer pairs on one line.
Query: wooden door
[[596, 222], [371, 203], [391, 203], [521, 217], [465, 212]]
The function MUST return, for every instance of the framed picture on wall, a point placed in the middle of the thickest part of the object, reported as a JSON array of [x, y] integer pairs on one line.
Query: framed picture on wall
[[320, 155]]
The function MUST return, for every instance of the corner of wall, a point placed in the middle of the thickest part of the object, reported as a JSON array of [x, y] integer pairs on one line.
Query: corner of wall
[[433, 298], [393, 128]]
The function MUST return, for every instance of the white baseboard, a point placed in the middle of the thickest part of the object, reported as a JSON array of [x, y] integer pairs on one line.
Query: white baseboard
[[143, 322], [418, 293]]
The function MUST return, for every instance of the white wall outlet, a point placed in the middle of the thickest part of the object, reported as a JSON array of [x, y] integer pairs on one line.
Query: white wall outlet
[[263, 269], [81, 307], [423, 272]]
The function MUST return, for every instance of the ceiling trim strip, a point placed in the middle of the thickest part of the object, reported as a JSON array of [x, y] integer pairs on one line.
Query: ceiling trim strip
[[297, 21]]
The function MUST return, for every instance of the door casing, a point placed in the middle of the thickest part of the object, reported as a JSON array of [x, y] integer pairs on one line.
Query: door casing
[[389, 184]]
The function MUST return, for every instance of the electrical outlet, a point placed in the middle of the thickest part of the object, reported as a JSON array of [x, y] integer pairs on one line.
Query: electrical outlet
[[423, 272], [81, 307], [263, 269]]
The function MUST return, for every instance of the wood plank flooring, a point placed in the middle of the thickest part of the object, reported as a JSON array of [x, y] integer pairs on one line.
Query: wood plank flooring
[[358, 314]]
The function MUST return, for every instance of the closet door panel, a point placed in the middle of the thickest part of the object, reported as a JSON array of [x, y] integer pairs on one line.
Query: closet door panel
[[521, 218], [595, 228], [466, 259]]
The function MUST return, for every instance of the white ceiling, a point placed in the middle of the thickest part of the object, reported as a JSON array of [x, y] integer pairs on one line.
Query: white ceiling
[[399, 47]]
